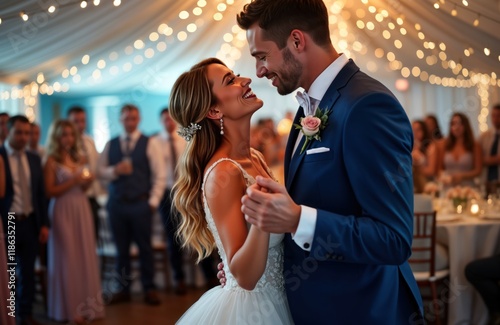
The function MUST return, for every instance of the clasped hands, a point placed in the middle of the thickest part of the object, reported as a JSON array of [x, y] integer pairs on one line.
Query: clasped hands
[[268, 206]]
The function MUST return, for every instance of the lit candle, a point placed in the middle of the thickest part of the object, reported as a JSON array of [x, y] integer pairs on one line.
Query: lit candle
[[474, 209]]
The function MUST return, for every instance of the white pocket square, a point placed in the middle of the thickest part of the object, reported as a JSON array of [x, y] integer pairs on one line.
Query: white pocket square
[[317, 150]]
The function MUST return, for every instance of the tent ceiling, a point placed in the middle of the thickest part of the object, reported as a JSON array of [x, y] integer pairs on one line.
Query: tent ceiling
[[136, 46]]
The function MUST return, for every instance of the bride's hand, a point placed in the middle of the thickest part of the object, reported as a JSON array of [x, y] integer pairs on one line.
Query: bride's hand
[[272, 210]]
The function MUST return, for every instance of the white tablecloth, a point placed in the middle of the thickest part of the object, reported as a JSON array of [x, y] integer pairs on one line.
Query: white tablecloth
[[467, 239]]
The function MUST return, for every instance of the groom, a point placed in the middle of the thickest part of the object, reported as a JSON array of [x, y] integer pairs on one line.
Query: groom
[[347, 207]]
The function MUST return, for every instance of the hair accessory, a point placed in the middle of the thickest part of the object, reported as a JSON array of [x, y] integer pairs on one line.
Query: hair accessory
[[188, 132], [221, 126]]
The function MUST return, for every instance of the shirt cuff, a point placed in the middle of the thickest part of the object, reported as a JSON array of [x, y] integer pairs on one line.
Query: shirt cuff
[[304, 235]]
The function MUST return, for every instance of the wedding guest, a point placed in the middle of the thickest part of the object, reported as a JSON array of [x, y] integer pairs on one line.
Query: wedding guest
[[4, 117], [424, 156], [33, 144], [4, 276], [484, 274], [173, 146], [25, 199], [433, 128], [137, 181], [72, 267], [490, 144], [78, 117], [461, 157]]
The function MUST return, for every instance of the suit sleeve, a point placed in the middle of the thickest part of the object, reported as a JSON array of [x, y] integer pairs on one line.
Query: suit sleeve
[[42, 198], [377, 143]]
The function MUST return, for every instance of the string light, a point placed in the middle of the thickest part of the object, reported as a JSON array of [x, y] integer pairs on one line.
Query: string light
[[24, 15], [476, 21], [454, 11], [83, 4], [236, 40]]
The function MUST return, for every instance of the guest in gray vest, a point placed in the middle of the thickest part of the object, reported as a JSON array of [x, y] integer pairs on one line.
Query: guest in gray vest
[[136, 175]]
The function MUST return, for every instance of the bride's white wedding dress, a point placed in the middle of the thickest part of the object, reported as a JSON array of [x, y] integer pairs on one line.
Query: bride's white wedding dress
[[266, 304]]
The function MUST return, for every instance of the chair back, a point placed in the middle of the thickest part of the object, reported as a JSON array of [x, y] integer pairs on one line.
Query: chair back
[[424, 242]]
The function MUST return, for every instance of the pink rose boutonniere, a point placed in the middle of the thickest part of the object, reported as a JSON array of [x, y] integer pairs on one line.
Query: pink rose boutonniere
[[311, 126]]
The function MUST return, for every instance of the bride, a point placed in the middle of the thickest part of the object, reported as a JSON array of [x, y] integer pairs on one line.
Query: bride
[[213, 107]]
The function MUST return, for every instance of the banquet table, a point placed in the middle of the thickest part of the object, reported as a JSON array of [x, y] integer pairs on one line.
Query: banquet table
[[467, 238]]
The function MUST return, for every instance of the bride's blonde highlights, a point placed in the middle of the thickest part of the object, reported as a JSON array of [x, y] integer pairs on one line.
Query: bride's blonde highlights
[[190, 101]]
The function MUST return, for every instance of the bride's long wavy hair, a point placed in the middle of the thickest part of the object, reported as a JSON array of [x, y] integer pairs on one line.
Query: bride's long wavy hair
[[190, 101]]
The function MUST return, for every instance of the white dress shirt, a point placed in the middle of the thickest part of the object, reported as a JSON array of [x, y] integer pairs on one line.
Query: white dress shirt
[[308, 215], [163, 139], [156, 164], [90, 152], [17, 205]]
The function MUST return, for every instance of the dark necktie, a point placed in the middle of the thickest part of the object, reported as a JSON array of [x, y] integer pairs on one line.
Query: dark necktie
[[23, 184], [173, 156], [128, 148], [493, 169]]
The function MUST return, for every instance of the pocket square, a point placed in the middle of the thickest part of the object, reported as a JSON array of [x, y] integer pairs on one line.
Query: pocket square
[[317, 150]]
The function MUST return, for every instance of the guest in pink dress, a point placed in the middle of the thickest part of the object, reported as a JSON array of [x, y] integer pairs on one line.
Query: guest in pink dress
[[461, 157], [74, 286]]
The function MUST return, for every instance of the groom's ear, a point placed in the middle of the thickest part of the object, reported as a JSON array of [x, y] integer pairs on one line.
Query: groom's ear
[[214, 113], [297, 40]]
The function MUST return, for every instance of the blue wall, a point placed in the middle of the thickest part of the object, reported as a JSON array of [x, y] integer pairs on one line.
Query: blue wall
[[103, 113]]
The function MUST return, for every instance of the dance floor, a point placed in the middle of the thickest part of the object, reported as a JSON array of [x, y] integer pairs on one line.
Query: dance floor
[[137, 312]]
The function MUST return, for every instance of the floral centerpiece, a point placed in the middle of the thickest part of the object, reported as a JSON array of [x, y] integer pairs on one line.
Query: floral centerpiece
[[431, 188], [460, 195]]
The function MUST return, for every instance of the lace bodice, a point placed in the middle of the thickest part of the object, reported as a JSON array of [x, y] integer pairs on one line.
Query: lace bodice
[[273, 274]]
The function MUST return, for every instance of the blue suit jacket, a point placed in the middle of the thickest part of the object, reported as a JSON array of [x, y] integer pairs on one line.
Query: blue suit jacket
[[38, 197], [357, 270]]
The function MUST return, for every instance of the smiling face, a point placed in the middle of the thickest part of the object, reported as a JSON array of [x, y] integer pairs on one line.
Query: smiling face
[[235, 98], [280, 66], [67, 138], [80, 121], [130, 119], [456, 126], [19, 134]]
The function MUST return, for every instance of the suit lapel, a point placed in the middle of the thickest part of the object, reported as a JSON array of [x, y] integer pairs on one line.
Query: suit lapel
[[295, 162], [31, 166], [331, 96], [8, 175], [292, 138]]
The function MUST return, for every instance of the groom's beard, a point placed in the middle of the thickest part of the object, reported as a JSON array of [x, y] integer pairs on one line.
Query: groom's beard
[[289, 74]]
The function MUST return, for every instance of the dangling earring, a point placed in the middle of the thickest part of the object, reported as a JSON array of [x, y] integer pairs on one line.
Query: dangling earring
[[221, 126]]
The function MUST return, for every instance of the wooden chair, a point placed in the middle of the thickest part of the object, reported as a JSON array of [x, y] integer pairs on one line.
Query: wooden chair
[[423, 258]]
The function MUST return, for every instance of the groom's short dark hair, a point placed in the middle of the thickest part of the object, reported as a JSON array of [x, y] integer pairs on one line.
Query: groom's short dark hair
[[279, 17]]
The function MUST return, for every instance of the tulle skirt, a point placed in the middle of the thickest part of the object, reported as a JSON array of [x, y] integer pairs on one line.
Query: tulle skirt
[[221, 306]]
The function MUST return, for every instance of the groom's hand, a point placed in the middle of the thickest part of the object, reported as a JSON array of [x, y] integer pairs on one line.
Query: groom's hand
[[268, 206]]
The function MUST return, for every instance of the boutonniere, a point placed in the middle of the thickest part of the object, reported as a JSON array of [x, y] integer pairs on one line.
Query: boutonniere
[[311, 126]]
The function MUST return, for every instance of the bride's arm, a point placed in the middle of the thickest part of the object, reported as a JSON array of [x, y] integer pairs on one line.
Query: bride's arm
[[246, 250]]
